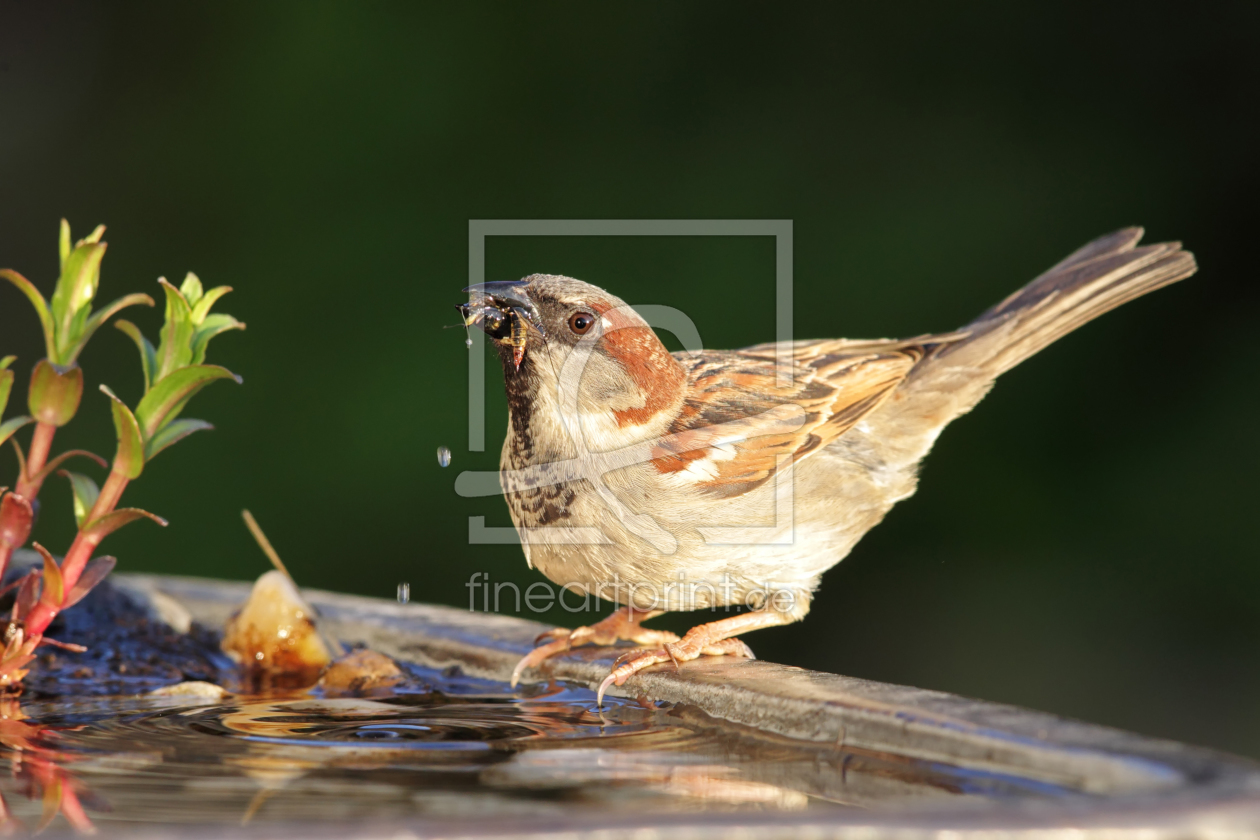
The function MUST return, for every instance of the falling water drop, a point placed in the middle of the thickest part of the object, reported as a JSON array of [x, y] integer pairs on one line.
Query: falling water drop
[[444, 456], [404, 593], [468, 343]]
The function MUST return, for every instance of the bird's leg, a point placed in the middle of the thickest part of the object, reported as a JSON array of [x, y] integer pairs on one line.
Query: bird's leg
[[712, 639], [624, 623]]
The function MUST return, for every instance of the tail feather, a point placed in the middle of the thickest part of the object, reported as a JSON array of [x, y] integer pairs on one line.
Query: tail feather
[[1125, 239], [1094, 279]]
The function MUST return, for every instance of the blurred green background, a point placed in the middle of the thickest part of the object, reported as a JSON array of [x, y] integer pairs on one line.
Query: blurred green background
[[1084, 543]]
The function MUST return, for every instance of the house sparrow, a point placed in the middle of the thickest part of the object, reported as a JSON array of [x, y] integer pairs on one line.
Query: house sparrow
[[725, 478]]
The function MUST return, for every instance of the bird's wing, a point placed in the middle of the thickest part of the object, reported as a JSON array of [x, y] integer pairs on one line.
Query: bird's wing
[[818, 353], [739, 419]]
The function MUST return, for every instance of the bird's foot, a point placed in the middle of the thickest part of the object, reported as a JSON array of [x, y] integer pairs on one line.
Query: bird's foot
[[623, 624], [698, 642]]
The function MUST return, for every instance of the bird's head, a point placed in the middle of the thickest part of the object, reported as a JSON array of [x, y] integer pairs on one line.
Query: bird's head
[[565, 340]]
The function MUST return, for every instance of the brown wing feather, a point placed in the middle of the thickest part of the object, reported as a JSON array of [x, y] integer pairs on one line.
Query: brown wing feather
[[809, 353], [713, 442]]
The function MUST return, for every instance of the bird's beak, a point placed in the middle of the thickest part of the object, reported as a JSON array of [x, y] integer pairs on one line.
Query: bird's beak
[[491, 305], [506, 293], [503, 311]]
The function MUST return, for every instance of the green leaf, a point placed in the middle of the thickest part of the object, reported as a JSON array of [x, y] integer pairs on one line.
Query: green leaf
[[148, 356], [93, 573], [175, 346], [191, 289], [168, 397], [130, 457], [94, 236], [27, 288], [103, 526], [202, 308], [210, 327], [6, 383], [102, 315], [63, 245], [173, 432], [54, 586], [8, 427], [85, 492], [72, 299]]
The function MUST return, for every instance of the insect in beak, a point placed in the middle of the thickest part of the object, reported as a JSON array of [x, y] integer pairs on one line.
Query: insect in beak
[[504, 312], [518, 337]]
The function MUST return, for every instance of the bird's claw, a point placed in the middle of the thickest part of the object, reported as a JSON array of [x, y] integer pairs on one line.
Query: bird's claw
[[634, 661], [553, 634], [539, 655], [621, 625], [657, 646], [561, 641], [629, 664]]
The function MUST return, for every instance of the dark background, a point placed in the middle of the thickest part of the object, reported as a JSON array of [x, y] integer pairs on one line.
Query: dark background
[[1084, 543]]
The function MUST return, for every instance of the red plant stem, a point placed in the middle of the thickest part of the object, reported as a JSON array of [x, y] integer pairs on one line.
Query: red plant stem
[[80, 552], [6, 551], [36, 457], [107, 500]]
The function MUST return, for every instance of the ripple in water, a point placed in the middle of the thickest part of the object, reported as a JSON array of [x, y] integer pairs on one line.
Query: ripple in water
[[462, 747]]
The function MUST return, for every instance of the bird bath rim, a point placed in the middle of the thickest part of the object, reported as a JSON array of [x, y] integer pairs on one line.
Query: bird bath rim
[[1138, 784]]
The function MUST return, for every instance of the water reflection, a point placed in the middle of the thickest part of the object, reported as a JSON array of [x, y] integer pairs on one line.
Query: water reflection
[[41, 771], [442, 745]]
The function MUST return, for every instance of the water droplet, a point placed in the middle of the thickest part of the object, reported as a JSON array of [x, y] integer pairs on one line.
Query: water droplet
[[468, 343], [404, 593], [444, 456]]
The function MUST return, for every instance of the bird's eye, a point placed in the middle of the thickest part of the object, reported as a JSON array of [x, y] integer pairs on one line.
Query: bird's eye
[[581, 322]]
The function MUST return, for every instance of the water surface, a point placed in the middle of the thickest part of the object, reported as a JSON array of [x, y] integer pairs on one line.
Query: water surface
[[451, 746]]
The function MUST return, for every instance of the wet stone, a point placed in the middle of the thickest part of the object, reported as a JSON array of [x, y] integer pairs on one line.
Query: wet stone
[[361, 673]]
